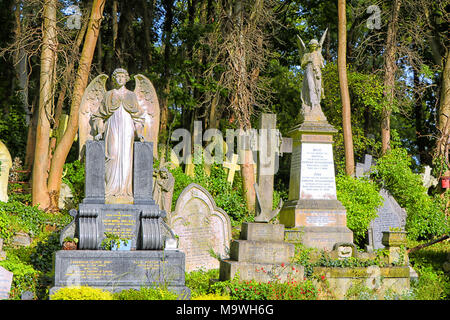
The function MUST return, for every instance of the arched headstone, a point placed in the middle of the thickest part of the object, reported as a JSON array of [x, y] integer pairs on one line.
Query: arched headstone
[[201, 227]]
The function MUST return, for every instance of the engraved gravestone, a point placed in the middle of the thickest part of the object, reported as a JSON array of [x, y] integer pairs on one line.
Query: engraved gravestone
[[5, 283], [201, 227], [390, 215]]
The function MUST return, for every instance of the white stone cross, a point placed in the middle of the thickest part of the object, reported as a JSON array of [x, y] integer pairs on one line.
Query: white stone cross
[[232, 167]]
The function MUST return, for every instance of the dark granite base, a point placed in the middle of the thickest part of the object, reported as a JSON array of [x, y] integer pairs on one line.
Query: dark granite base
[[119, 270]]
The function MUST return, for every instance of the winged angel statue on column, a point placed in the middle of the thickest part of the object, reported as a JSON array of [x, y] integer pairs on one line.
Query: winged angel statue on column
[[312, 63], [118, 116]]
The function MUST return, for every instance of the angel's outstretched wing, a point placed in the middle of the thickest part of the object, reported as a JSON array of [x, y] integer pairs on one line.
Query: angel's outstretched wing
[[301, 46], [90, 102], [323, 37], [148, 100]]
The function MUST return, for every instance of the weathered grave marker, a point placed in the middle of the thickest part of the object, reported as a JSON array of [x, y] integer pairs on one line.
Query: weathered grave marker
[[390, 215], [201, 227]]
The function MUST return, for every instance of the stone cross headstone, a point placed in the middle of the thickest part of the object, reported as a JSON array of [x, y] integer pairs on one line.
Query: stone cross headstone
[[390, 215], [5, 283], [362, 169], [267, 162], [201, 228], [232, 167], [5, 165]]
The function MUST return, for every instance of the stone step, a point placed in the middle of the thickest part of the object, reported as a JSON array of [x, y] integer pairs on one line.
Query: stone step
[[261, 251], [262, 231], [261, 272]]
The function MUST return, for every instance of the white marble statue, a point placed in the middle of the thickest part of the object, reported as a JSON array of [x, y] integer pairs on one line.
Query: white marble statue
[[119, 117], [93, 96], [312, 63]]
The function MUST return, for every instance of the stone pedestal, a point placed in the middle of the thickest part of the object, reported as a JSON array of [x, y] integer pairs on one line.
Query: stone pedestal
[[312, 214], [261, 254], [119, 270]]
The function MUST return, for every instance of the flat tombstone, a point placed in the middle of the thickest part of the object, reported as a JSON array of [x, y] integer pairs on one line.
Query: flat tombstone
[[201, 227], [5, 283]]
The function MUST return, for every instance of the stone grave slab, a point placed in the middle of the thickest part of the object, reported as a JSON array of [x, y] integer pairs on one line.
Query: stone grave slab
[[5, 283], [118, 270], [201, 227]]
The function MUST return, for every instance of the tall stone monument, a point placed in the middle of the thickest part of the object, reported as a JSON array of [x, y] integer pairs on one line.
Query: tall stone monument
[[312, 214]]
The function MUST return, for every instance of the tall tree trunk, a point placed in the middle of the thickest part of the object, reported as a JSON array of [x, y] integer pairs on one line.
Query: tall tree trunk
[[63, 148], [343, 83], [444, 107], [167, 29], [40, 195], [148, 22], [390, 68]]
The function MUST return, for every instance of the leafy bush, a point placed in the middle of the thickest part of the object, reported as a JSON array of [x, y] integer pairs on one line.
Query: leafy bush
[[425, 217], [211, 296], [25, 278], [198, 281], [15, 217], [146, 293], [252, 290], [42, 256], [81, 293], [361, 198]]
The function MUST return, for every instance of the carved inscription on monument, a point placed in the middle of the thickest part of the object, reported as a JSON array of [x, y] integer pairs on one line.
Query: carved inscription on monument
[[108, 271], [122, 223], [317, 180]]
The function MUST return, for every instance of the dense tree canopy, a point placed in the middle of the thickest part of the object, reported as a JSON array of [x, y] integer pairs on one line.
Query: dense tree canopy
[[223, 62]]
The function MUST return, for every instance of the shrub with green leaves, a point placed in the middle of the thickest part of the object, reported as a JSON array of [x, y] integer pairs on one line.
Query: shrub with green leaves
[[15, 217], [74, 177], [361, 198], [425, 217], [25, 278], [276, 290], [198, 281]]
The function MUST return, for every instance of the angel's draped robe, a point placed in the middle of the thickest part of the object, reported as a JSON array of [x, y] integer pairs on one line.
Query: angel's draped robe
[[122, 116], [312, 90]]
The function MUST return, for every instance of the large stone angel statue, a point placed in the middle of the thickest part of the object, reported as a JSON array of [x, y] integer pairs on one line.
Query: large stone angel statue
[[93, 96], [312, 63], [118, 116]]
